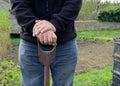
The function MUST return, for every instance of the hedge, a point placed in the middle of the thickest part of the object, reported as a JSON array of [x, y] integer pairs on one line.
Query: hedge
[[110, 15]]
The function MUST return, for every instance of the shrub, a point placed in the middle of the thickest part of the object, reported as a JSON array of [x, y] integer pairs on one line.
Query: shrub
[[110, 14]]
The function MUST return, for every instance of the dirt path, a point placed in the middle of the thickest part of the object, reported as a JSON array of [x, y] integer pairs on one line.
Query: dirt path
[[92, 55]]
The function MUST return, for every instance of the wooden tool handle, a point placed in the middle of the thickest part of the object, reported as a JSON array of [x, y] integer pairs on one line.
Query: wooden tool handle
[[46, 58], [41, 51], [46, 76]]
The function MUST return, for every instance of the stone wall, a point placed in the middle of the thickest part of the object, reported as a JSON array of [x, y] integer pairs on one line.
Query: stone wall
[[95, 25], [4, 5], [15, 27], [80, 25]]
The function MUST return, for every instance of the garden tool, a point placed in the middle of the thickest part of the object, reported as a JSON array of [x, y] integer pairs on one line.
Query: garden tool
[[46, 58]]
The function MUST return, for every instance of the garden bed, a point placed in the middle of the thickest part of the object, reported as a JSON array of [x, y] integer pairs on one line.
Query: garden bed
[[92, 55]]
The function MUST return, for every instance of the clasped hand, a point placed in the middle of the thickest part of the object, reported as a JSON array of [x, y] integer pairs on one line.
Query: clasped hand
[[45, 31]]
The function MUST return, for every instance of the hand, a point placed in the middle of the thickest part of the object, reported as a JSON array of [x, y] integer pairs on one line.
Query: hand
[[47, 38], [42, 26]]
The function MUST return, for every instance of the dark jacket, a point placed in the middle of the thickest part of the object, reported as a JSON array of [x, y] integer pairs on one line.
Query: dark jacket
[[61, 13]]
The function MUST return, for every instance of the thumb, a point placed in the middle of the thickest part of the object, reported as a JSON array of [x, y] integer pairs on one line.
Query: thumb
[[36, 21]]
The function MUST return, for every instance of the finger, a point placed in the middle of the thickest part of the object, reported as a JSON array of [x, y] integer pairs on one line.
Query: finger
[[37, 25], [42, 27], [41, 38], [36, 21], [51, 26], [45, 29], [37, 31], [45, 39], [49, 40], [37, 28], [47, 26], [34, 29], [54, 38], [33, 32]]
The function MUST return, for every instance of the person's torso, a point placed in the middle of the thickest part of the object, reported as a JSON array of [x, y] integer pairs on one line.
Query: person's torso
[[44, 10]]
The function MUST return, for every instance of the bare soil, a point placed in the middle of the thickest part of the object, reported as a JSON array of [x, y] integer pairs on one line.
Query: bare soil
[[94, 55], [91, 55]]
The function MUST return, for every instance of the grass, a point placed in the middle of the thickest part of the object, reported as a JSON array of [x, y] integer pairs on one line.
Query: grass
[[15, 41], [106, 35], [102, 77]]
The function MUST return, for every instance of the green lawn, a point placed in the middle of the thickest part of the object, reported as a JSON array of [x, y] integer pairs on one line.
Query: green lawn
[[15, 41], [107, 35], [101, 77]]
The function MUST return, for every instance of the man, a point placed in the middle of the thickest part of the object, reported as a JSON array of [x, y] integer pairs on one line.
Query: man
[[49, 21]]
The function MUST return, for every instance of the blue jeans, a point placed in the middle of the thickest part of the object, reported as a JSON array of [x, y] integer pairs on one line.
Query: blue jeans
[[62, 70]]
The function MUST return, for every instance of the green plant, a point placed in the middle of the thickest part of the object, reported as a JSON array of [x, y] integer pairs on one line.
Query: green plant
[[10, 76], [110, 14], [107, 35], [5, 29], [9, 73], [15, 41], [101, 77], [88, 7]]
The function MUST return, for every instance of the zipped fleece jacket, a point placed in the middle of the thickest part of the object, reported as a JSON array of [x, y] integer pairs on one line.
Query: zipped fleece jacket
[[61, 13]]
